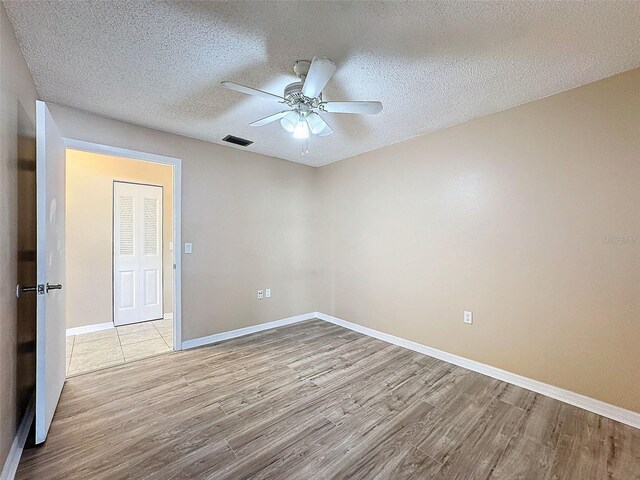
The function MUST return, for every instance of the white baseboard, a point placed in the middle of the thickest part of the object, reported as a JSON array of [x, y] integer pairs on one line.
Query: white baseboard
[[218, 337], [596, 406], [89, 328], [102, 326], [15, 453]]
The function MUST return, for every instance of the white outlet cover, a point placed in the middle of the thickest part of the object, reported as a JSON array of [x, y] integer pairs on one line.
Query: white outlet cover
[[259, 294], [468, 317]]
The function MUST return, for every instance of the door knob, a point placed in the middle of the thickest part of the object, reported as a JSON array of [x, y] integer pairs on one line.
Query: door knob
[[54, 286]]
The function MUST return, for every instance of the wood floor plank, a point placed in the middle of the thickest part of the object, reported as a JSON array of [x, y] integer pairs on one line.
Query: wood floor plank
[[594, 447], [478, 454], [450, 424], [278, 451], [379, 448], [523, 459], [542, 422], [313, 401], [516, 396], [410, 463], [311, 459]]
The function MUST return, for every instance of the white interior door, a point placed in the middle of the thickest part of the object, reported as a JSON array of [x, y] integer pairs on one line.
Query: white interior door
[[50, 329], [137, 253]]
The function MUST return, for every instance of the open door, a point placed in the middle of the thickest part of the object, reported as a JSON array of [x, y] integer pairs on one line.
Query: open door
[[50, 327]]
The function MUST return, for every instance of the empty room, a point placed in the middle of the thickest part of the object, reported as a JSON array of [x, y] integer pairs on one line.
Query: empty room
[[316, 240]]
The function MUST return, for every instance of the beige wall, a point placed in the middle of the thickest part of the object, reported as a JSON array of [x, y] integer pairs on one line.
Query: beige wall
[[530, 218], [250, 218], [90, 178], [17, 100]]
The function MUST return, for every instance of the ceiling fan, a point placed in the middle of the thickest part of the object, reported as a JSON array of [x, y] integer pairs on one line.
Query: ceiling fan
[[304, 99]]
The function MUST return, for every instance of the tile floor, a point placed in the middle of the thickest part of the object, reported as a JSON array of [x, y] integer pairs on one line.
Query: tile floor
[[96, 350]]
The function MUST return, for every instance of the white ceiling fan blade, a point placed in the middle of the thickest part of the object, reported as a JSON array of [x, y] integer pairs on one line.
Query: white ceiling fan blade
[[251, 91], [269, 119], [352, 107], [319, 74]]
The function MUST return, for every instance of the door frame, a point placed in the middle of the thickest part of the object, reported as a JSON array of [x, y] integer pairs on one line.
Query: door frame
[[176, 163]]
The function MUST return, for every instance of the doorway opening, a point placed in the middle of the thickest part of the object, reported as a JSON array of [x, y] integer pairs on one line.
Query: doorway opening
[[122, 222]]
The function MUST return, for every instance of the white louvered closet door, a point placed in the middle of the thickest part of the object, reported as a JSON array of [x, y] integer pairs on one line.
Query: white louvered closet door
[[137, 253]]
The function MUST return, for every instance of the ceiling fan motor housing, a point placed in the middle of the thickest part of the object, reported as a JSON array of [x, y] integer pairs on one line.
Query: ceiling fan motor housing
[[293, 95], [293, 89]]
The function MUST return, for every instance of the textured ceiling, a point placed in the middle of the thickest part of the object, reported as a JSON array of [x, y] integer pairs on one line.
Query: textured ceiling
[[432, 64]]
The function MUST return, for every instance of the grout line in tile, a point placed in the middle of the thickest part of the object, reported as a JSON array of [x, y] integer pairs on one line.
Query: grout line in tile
[[145, 339], [155, 354], [159, 333], [162, 336], [154, 326], [73, 342], [124, 359]]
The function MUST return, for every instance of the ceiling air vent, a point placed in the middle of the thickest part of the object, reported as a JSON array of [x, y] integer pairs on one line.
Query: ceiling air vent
[[237, 140]]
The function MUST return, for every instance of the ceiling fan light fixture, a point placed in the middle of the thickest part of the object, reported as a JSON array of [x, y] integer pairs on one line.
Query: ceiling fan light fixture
[[301, 131], [315, 122], [289, 121], [326, 131]]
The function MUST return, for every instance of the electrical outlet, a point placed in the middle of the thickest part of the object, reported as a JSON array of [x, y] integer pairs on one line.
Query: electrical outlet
[[468, 317], [267, 293], [260, 295]]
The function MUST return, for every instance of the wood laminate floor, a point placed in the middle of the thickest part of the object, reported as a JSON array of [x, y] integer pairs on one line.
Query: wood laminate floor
[[316, 401]]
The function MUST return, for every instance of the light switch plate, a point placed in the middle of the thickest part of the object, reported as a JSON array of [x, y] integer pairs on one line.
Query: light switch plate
[[267, 293], [188, 248]]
